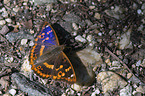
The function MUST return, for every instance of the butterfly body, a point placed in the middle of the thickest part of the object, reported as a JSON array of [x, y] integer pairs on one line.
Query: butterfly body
[[48, 59]]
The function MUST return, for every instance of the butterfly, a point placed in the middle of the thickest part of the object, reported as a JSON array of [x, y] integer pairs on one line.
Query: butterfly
[[48, 59]]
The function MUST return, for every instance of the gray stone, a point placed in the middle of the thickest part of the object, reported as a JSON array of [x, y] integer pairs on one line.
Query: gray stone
[[44, 1], [13, 37], [71, 17], [30, 87], [110, 81]]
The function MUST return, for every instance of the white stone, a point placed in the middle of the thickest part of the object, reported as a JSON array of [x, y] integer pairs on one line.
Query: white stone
[[26, 68], [75, 26], [3, 9], [89, 38], [80, 38], [2, 22], [91, 7], [8, 20], [76, 87], [31, 43], [100, 34], [12, 92], [97, 91], [31, 31], [139, 11], [24, 41], [25, 3]]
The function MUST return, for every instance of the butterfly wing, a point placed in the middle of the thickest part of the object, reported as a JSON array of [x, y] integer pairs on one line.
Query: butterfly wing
[[57, 66], [47, 58], [45, 41], [63, 69]]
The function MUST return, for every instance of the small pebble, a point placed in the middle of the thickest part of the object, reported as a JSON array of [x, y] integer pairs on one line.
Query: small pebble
[[24, 41], [2, 22], [25, 3], [91, 7], [3, 9], [97, 16], [6, 1], [16, 9], [12, 91], [10, 59], [129, 75], [89, 38], [139, 11], [79, 38], [31, 43], [107, 61], [8, 20], [74, 33], [138, 63], [76, 87], [75, 26], [100, 34], [5, 14], [125, 40], [25, 66], [97, 91], [31, 31]]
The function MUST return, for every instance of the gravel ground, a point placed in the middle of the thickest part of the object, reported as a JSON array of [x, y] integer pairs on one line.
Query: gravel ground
[[104, 39]]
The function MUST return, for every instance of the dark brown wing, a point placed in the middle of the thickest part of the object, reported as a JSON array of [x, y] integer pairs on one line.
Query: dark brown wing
[[63, 69], [55, 64]]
